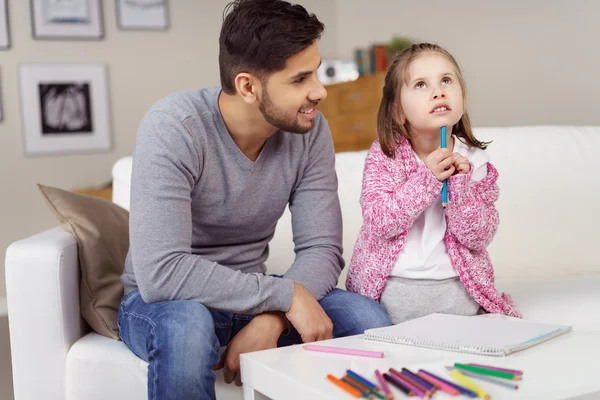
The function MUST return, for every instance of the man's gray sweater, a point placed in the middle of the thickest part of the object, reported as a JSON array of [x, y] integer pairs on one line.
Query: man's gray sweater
[[202, 213]]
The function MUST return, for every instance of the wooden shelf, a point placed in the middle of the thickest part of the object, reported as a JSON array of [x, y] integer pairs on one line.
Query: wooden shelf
[[105, 193], [351, 111]]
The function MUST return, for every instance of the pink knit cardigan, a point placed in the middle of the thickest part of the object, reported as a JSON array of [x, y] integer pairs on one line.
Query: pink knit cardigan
[[394, 193]]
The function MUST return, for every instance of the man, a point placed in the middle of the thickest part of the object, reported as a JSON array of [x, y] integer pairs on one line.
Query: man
[[213, 171]]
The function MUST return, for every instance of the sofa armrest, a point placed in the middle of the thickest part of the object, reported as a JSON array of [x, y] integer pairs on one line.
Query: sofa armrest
[[42, 287]]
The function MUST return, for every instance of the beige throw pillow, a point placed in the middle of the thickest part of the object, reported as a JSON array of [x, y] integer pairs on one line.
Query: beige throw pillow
[[102, 232]]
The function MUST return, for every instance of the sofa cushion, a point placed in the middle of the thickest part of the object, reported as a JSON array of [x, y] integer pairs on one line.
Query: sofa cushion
[[99, 368], [101, 229], [567, 300]]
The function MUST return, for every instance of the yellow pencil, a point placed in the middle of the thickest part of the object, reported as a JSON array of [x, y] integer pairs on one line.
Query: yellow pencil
[[469, 384]]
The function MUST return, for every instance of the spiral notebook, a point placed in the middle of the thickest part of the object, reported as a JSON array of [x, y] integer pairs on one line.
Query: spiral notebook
[[485, 334]]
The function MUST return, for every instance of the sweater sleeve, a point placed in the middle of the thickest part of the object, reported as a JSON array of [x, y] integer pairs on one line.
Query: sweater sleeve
[[471, 214], [317, 219], [390, 208], [166, 166]]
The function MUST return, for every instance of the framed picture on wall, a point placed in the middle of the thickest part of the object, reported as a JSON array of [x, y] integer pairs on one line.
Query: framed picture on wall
[[67, 19], [1, 107], [65, 108], [142, 14], [4, 31]]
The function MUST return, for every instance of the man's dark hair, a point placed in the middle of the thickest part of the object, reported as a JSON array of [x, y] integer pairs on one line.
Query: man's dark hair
[[258, 36]]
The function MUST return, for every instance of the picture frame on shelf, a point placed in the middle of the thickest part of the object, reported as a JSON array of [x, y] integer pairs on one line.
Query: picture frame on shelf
[[65, 108], [67, 19], [4, 26], [142, 14]]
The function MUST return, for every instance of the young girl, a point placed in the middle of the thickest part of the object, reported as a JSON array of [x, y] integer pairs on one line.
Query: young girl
[[413, 255]]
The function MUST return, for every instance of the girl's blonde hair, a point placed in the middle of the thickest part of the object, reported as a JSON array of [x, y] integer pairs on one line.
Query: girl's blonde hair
[[391, 122]]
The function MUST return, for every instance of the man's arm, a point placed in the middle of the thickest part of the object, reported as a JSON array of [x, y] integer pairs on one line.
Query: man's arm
[[166, 166], [317, 219]]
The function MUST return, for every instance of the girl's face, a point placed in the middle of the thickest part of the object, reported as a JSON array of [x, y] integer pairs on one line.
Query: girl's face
[[431, 96]]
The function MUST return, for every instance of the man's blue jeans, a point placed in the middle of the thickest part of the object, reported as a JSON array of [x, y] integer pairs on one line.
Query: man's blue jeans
[[181, 339]]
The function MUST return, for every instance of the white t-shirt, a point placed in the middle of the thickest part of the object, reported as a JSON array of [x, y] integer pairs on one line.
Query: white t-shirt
[[424, 254]]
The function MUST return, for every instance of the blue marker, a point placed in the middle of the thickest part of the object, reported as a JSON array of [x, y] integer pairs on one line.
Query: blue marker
[[445, 184]]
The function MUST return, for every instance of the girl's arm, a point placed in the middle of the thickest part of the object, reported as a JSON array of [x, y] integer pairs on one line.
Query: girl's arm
[[471, 214], [390, 208]]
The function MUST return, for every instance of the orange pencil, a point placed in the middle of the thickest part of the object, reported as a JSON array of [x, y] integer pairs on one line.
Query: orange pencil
[[343, 385]]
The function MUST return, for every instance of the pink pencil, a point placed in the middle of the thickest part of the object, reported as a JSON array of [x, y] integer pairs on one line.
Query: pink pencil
[[384, 386], [339, 350]]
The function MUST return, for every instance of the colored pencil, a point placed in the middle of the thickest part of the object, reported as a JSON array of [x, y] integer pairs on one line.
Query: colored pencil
[[456, 374], [361, 379], [343, 385], [371, 392], [340, 350], [485, 371], [461, 389], [365, 393], [409, 380], [510, 371], [398, 384], [415, 388], [384, 386], [358, 385], [427, 385], [451, 390], [487, 378], [445, 183]]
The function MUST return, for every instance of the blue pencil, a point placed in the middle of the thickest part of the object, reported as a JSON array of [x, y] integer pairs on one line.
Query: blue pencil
[[445, 184], [362, 380]]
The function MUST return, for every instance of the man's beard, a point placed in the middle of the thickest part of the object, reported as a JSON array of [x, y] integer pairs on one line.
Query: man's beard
[[278, 119]]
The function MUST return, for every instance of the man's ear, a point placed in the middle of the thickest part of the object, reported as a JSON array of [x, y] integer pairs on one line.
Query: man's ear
[[247, 86]]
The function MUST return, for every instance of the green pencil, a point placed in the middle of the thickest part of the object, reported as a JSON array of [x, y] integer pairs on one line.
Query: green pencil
[[490, 372], [487, 378]]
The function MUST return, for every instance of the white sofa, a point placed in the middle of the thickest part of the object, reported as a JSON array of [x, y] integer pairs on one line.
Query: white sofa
[[545, 255]]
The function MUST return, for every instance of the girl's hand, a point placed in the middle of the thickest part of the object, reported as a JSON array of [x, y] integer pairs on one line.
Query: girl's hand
[[441, 163], [461, 163]]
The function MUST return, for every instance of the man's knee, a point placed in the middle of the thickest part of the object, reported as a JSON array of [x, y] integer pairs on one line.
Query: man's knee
[[353, 313], [183, 348], [185, 331]]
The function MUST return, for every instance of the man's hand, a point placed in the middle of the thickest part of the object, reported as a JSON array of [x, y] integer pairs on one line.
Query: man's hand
[[308, 317], [441, 163], [461, 163], [261, 333]]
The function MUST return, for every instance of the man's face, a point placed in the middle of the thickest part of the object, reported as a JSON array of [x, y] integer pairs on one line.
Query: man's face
[[289, 97]]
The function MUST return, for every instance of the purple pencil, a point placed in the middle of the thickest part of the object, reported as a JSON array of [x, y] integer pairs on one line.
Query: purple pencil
[[408, 383]]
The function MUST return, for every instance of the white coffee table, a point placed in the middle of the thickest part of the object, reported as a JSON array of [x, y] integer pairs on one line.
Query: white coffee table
[[566, 367]]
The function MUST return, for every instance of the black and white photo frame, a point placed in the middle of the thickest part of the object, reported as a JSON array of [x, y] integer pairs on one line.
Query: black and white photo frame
[[65, 108], [142, 14], [4, 27], [67, 19]]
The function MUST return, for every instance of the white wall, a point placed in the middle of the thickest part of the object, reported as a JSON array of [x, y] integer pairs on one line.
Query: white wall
[[525, 62], [142, 67]]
